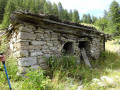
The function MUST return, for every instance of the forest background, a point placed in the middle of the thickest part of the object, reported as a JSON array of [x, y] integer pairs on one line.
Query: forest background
[[109, 22]]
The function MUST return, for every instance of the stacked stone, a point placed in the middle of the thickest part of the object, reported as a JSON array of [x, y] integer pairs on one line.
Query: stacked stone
[[31, 45], [96, 47]]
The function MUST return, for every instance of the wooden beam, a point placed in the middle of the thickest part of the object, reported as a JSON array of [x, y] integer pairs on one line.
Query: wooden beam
[[63, 24], [104, 43], [49, 24], [35, 20]]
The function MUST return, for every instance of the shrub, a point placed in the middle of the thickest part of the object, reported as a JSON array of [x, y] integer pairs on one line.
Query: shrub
[[35, 80], [3, 46], [63, 64], [11, 65]]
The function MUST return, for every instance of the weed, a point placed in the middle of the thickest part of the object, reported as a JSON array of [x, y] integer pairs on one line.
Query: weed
[[62, 64], [35, 80]]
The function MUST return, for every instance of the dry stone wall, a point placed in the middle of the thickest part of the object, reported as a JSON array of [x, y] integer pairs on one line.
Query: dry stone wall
[[31, 44], [96, 47]]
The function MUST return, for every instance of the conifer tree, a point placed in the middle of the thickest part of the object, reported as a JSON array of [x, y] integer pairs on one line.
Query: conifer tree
[[60, 9], [55, 9], [75, 16], [89, 20], [65, 14], [84, 18], [33, 6], [114, 18], [41, 4], [70, 15], [94, 19], [47, 8], [105, 14], [2, 8], [11, 6]]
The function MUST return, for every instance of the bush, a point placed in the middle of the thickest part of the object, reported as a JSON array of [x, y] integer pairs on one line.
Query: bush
[[4, 45], [35, 80], [64, 64], [11, 65]]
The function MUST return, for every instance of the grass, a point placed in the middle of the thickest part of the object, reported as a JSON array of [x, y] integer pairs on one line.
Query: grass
[[91, 25], [86, 24], [112, 45], [64, 79], [65, 74], [106, 67]]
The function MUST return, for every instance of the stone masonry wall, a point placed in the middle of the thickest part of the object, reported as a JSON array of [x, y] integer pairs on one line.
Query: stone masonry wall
[[96, 47], [30, 45]]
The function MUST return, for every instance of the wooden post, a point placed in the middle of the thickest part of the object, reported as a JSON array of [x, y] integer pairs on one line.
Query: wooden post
[[104, 43]]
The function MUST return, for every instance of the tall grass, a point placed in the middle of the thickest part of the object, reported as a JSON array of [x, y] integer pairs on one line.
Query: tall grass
[[64, 73], [105, 66], [36, 81], [11, 66], [62, 64]]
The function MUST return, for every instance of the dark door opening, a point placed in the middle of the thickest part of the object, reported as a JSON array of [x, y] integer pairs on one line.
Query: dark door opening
[[84, 44], [68, 48]]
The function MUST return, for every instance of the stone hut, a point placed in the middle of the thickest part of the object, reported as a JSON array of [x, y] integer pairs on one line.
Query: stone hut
[[32, 37]]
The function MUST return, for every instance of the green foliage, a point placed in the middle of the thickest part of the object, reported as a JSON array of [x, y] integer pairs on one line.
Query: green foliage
[[11, 65], [88, 19], [66, 15], [3, 46], [61, 62], [114, 12], [55, 9], [2, 8], [110, 23], [47, 8], [11, 6], [114, 18], [36, 81], [75, 16], [38, 6], [33, 6], [70, 15], [12, 70], [84, 18], [60, 9], [102, 23], [63, 68], [105, 66], [94, 19]]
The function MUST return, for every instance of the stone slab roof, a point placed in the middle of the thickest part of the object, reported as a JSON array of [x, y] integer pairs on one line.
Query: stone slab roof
[[52, 22], [32, 18]]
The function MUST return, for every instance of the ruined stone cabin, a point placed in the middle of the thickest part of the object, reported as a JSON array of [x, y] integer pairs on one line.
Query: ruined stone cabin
[[32, 37]]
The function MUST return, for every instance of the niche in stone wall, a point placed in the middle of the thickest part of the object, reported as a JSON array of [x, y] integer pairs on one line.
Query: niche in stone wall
[[68, 48], [84, 44]]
